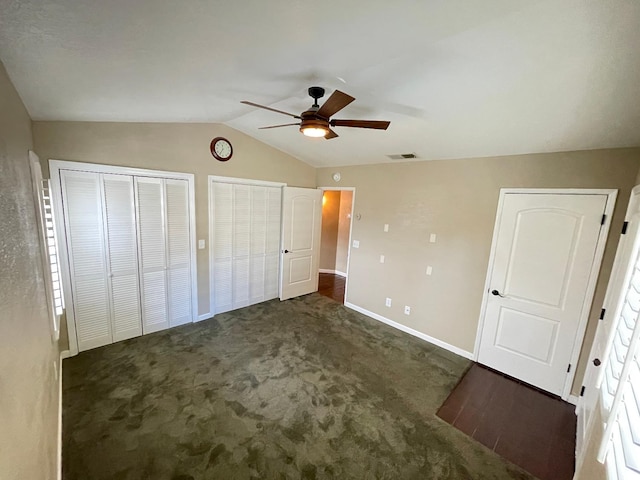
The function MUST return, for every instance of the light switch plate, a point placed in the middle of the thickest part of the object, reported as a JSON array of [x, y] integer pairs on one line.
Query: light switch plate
[[201, 244], [381, 258], [386, 227], [432, 238], [356, 244], [387, 302], [429, 270]]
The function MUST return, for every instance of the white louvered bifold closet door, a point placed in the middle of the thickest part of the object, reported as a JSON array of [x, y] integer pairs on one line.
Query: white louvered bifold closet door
[[84, 230], [241, 244], [246, 244], [272, 250], [122, 256], [222, 212], [151, 245], [178, 251]]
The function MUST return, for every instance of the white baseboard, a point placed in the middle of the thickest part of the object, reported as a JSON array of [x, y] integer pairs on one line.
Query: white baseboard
[[411, 331], [573, 399], [204, 316], [334, 272], [64, 354]]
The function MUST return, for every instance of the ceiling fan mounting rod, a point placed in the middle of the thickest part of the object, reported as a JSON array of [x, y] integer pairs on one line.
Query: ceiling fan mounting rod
[[316, 93]]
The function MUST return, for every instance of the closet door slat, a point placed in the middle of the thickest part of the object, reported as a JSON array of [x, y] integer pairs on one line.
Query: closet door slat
[[178, 252], [222, 247], [122, 255], [86, 252], [151, 245]]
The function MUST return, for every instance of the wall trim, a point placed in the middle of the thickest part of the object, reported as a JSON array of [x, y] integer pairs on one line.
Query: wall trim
[[245, 181], [59, 452], [573, 399], [65, 354], [334, 272], [204, 316], [411, 331]]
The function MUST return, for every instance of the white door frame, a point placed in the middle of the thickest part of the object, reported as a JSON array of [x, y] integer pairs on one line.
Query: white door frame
[[65, 268], [593, 276], [353, 206], [212, 230]]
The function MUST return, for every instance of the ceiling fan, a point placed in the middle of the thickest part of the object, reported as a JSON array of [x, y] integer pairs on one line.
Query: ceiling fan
[[316, 121]]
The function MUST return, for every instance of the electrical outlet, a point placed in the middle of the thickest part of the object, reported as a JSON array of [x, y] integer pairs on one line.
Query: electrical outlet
[[432, 238], [386, 227], [200, 244], [387, 302], [407, 310], [429, 270], [356, 244], [381, 258]]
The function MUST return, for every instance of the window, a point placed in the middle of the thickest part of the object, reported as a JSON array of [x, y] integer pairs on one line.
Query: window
[[620, 388], [49, 250]]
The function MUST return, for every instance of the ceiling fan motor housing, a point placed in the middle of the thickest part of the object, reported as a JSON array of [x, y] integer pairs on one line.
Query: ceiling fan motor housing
[[311, 120]]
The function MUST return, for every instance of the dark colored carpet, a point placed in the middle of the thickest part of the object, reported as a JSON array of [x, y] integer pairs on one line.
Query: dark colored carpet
[[302, 389]]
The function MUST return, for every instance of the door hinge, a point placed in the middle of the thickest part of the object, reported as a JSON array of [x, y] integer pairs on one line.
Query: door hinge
[[602, 312], [604, 218], [582, 391], [569, 368], [624, 228]]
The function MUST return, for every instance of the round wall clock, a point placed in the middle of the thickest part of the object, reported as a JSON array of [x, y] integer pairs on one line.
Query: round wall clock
[[221, 149]]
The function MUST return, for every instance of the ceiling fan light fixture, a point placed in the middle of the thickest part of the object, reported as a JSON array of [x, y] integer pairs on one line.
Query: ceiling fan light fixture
[[314, 131]]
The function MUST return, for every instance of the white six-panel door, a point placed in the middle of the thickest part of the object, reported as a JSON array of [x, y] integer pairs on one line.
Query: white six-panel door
[[544, 255], [301, 224]]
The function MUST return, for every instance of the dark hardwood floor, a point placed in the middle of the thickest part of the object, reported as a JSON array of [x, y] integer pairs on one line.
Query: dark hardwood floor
[[522, 424], [332, 286]]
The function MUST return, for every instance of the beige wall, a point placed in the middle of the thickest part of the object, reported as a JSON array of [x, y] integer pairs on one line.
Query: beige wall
[[344, 227], [330, 224], [457, 200], [29, 390], [590, 468], [173, 147]]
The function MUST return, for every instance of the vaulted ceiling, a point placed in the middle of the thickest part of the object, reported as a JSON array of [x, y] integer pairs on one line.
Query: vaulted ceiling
[[457, 78]]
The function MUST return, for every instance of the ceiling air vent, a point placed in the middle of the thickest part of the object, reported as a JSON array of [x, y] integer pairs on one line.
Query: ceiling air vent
[[402, 156]]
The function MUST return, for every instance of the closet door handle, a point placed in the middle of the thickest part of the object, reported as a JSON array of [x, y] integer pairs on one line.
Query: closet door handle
[[287, 251]]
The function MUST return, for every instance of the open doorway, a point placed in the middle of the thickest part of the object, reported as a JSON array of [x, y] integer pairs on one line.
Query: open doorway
[[337, 206]]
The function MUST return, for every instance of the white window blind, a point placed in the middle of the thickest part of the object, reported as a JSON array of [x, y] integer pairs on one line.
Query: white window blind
[[50, 256], [52, 247], [620, 389]]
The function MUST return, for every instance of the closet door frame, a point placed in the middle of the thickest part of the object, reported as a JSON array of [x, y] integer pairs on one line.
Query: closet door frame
[[55, 166], [237, 181]]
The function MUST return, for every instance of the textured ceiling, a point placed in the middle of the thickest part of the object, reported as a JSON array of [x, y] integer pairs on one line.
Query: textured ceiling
[[457, 78]]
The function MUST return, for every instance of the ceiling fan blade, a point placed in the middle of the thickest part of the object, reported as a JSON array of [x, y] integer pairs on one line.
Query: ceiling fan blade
[[336, 102], [271, 109], [377, 124], [278, 126], [331, 135]]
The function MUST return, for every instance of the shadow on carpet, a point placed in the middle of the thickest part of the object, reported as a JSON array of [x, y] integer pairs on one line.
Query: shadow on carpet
[[301, 389]]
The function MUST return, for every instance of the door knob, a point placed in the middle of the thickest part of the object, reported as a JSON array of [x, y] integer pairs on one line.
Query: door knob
[[496, 293], [286, 251], [597, 362]]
